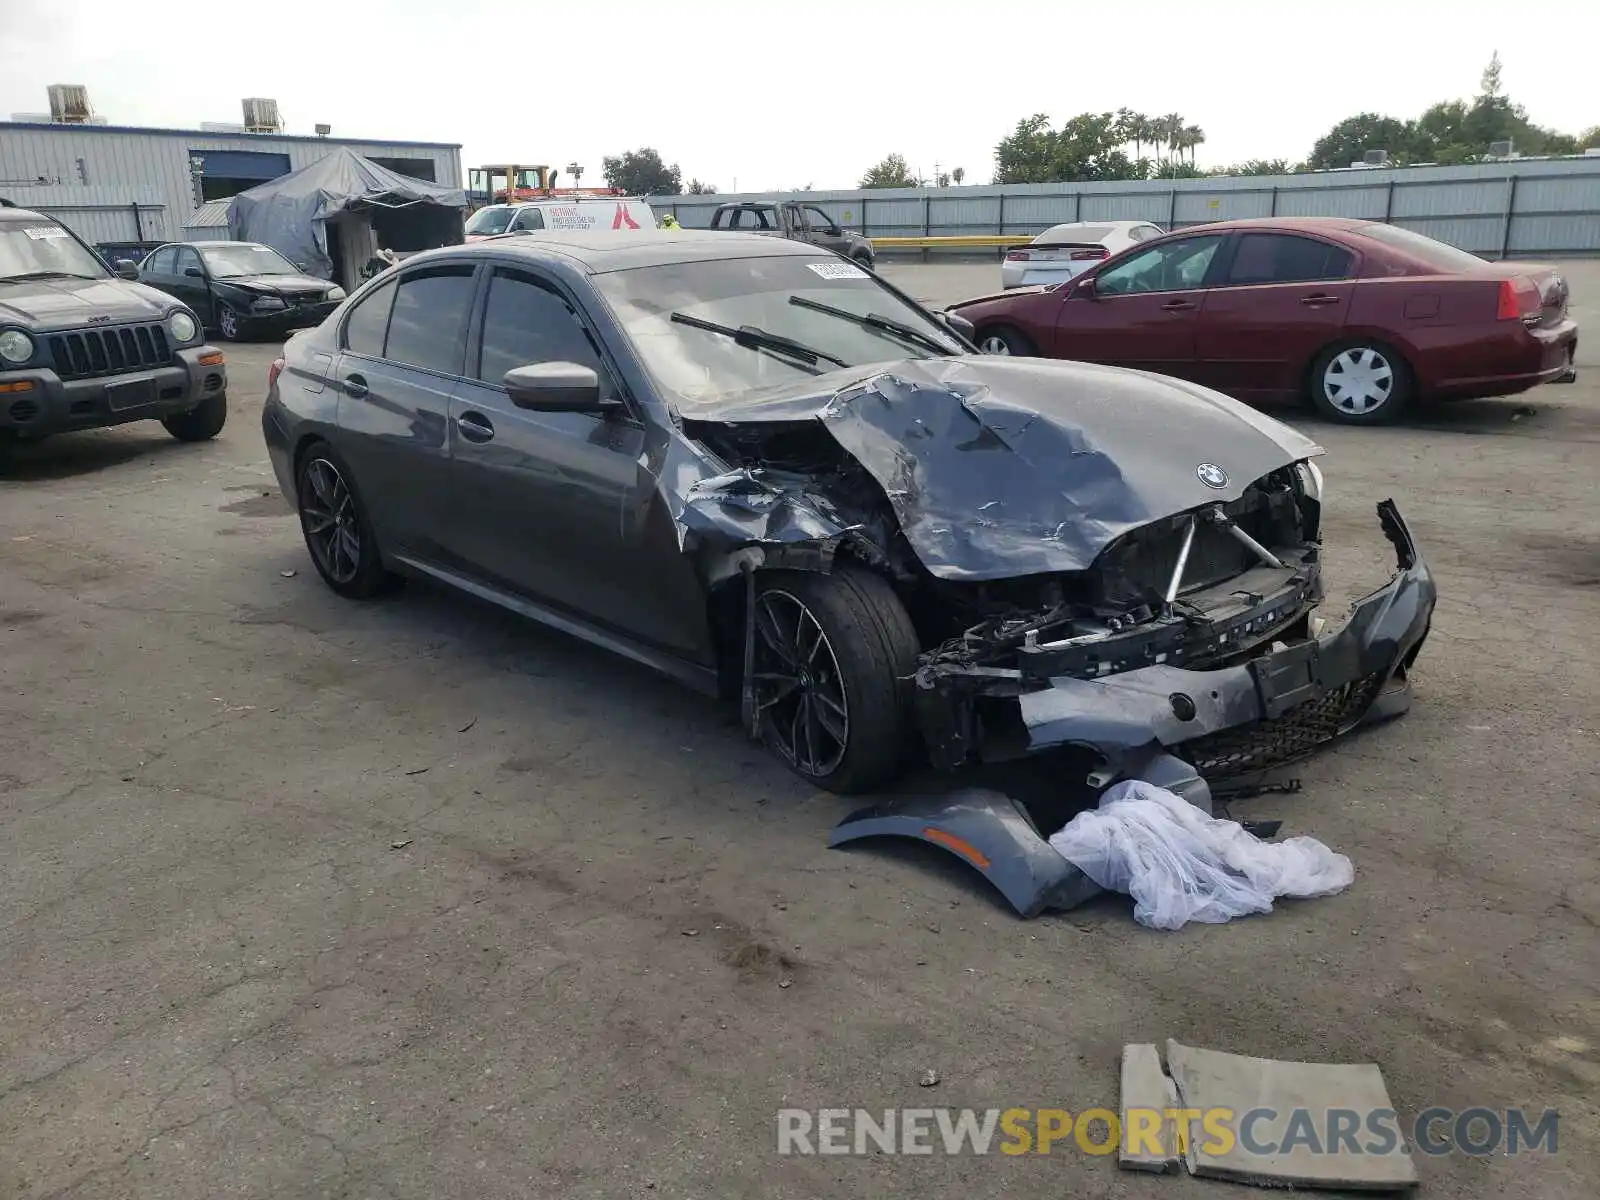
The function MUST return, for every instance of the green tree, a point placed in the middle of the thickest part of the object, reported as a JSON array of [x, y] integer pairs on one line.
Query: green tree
[[892, 172], [1589, 137], [696, 188], [958, 174], [1352, 137], [1259, 166], [642, 173], [1087, 146]]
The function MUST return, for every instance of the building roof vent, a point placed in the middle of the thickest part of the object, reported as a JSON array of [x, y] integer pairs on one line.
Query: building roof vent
[[69, 104], [261, 116]]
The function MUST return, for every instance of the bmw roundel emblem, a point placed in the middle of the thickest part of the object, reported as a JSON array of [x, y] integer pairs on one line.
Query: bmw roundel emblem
[[1212, 475]]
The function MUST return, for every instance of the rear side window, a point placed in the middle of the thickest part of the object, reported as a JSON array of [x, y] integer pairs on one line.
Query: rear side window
[[1436, 255], [525, 322], [428, 328], [160, 263], [1280, 258], [365, 326]]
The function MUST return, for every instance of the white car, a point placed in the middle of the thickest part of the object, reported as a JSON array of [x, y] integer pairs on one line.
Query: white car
[[572, 214], [1063, 251]]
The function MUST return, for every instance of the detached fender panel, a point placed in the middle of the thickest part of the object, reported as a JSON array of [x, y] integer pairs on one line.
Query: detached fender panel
[[990, 832]]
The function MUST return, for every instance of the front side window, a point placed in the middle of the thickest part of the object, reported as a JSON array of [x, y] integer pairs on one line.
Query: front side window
[[707, 330], [1169, 267], [428, 326], [1284, 258], [818, 220], [368, 321], [525, 322], [529, 218], [41, 249]]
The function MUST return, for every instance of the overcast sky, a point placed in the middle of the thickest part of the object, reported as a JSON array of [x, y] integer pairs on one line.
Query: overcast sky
[[783, 95]]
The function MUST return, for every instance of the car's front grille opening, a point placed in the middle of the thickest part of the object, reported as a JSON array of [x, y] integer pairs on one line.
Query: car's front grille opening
[[23, 410], [1263, 745], [86, 353]]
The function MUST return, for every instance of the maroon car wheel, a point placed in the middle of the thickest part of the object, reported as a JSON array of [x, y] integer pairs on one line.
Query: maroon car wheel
[[999, 339], [1360, 383]]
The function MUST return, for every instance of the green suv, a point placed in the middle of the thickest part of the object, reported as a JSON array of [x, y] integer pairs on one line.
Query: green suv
[[83, 347]]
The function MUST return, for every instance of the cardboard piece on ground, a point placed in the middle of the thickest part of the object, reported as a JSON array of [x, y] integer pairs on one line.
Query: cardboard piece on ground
[[1145, 1087], [1209, 1079]]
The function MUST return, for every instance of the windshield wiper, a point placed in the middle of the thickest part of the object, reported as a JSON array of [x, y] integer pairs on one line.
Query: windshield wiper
[[45, 275], [875, 321], [759, 339]]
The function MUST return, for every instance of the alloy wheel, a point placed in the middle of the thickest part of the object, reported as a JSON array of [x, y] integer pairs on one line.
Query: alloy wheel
[[799, 689], [994, 344], [1358, 381], [229, 325], [328, 516]]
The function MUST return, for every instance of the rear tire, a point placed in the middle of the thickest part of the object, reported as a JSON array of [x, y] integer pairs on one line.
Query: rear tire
[[1002, 339], [834, 655], [337, 531], [862, 259], [202, 422], [1361, 382]]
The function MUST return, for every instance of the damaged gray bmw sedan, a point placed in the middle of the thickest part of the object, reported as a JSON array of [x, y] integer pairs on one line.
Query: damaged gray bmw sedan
[[765, 471]]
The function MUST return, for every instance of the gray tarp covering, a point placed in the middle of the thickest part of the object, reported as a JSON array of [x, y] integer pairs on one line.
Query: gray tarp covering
[[288, 213]]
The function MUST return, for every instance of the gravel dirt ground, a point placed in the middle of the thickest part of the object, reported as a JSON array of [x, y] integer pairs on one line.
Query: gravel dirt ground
[[412, 899]]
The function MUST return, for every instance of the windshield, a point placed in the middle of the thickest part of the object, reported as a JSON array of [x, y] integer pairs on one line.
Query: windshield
[[490, 220], [1435, 254], [799, 317], [43, 249], [225, 262]]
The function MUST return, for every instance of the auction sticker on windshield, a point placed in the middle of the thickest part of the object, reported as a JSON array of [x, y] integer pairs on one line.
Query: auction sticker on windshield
[[837, 270], [40, 233]]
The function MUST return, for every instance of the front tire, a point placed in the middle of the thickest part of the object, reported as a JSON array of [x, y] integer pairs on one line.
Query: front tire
[[1361, 383], [863, 260], [1002, 339], [202, 422], [833, 656], [337, 532], [228, 324]]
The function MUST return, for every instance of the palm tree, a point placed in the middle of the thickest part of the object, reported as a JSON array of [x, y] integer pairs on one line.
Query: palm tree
[[1126, 128], [1171, 129], [1144, 133], [1193, 136]]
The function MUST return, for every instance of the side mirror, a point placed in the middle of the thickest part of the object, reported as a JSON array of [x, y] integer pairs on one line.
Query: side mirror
[[127, 269], [556, 387], [1084, 288], [194, 273], [959, 324]]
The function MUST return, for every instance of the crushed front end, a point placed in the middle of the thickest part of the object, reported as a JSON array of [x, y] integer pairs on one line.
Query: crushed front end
[[1200, 644]]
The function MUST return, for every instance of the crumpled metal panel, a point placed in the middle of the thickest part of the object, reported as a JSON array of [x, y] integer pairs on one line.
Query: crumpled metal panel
[[999, 468]]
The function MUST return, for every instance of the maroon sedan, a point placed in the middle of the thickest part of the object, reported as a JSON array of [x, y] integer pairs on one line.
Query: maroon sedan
[[1361, 316]]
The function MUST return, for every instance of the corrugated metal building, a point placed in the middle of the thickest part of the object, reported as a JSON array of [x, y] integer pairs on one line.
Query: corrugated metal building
[[125, 186]]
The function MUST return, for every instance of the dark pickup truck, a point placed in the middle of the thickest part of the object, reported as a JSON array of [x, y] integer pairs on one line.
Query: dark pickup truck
[[791, 219], [82, 347]]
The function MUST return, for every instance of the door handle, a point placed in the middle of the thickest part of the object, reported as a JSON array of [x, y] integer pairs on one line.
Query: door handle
[[1319, 300], [475, 427], [1177, 306], [355, 387]]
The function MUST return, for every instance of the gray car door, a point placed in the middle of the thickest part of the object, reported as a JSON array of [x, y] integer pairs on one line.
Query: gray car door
[[402, 351], [191, 289], [824, 230], [556, 506]]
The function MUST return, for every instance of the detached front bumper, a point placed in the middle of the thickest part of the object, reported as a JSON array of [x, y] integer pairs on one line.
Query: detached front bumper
[[1258, 714], [38, 402], [1178, 729]]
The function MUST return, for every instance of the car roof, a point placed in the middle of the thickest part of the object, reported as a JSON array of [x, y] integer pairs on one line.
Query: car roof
[[1287, 224], [600, 251]]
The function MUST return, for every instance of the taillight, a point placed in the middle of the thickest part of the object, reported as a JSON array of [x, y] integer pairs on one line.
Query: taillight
[[1519, 300], [274, 371], [1016, 256], [1087, 255]]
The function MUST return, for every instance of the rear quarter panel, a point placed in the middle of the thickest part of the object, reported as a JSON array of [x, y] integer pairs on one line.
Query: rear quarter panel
[[1444, 324]]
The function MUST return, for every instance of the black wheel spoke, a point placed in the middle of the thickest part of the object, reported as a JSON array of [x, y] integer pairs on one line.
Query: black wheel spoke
[[328, 516], [799, 690]]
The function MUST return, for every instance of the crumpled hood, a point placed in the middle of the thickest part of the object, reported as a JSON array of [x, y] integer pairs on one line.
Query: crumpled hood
[[42, 305], [1000, 467]]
